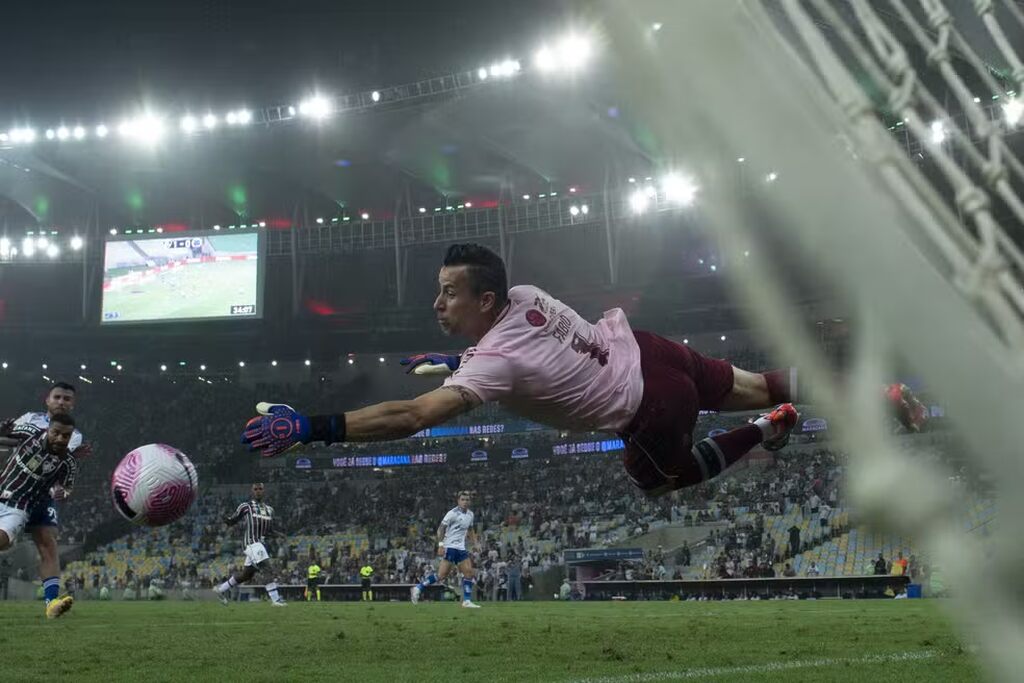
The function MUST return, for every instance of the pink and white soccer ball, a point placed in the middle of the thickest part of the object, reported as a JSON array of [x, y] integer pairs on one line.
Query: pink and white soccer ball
[[154, 485]]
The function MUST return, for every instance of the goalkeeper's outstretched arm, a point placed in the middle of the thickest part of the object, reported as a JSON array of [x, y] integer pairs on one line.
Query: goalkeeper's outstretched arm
[[279, 428]]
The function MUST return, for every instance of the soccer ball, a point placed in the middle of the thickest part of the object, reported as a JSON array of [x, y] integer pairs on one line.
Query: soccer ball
[[154, 485]]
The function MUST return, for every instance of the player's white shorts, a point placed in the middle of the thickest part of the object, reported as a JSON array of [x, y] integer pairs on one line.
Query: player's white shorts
[[12, 521], [255, 553]]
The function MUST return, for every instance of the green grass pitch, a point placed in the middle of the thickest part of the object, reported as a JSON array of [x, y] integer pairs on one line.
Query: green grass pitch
[[197, 290], [527, 641]]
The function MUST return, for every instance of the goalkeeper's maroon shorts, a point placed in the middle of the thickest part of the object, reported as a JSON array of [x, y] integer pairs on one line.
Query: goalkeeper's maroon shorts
[[678, 383]]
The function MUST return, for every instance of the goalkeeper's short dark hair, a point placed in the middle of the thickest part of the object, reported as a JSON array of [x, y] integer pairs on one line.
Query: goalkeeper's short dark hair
[[486, 270], [62, 385]]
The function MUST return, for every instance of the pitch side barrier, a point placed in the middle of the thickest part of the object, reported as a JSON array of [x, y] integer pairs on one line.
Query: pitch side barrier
[[883, 586]]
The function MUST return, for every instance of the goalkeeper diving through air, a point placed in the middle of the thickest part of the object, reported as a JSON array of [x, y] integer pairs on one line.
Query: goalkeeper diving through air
[[541, 360]]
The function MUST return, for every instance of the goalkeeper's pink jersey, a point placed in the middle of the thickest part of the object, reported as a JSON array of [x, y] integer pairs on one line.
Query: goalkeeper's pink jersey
[[543, 361]]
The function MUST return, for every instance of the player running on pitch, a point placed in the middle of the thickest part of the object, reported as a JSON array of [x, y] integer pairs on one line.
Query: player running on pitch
[[540, 359], [258, 517], [40, 461], [455, 530], [43, 521]]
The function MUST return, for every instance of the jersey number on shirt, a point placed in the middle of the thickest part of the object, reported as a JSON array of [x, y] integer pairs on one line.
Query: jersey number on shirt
[[585, 346]]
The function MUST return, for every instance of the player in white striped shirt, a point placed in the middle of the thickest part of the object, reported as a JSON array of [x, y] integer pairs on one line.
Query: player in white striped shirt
[[455, 530], [258, 517]]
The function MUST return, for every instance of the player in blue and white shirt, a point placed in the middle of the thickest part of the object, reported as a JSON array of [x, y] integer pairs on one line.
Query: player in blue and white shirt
[[42, 521], [455, 530]]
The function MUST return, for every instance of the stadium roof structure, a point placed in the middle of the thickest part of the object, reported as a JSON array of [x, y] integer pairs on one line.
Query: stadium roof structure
[[528, 135]]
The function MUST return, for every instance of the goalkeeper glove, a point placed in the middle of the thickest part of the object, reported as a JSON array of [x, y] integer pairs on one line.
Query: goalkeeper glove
[[276, 429], [431, 364]]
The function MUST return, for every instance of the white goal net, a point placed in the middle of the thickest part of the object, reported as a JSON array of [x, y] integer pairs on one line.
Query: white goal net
[[888, 130]]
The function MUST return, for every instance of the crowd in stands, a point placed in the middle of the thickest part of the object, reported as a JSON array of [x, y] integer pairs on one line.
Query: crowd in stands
[[528, 511]]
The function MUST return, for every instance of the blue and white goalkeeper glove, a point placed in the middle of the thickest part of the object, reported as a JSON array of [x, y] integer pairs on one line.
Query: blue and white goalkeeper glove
[[431, 364], [276, 429]]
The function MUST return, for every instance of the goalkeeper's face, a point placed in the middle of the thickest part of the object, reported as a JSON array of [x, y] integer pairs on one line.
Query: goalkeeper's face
[[460, 310]]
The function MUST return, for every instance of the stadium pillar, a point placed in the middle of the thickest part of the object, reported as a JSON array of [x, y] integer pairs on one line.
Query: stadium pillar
[[503, 250], [613, 270], [399, 293], [294, 239]]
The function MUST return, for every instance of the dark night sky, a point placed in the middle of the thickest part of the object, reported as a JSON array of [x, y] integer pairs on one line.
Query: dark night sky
[[94, 60]]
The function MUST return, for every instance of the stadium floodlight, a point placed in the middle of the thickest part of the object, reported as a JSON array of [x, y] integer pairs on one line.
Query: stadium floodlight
[[263, 224], [202, 367], [243, 117], [574, 210], [638, 201], [53, 251], [584, 209], [42, 243], [375, 96], [78, 133], [938, 133], [365, 216], [740, 159], [5, 137], [273, 363], [423, 209], [291, 110], [381, 359], [22, 135], [686, 341], [163, 368], [545, 59], [119, 368], [188, 123], [83, 366], [50, 134], [1013, 110], [63, 133], [714, 268], [216, 227], [679, 188], [3, 365], [146, 129], [308, 362], [771, 177], [45, 366], [317, 107], [722, 337], [209, 121], [481, 73], [5, 247], [526, 197], [241, 363], [319, 221], [351, 361], [573, 51], [469, 205], [102, 131], [656, 26], [231, 118], [113, 231], [28, 247]]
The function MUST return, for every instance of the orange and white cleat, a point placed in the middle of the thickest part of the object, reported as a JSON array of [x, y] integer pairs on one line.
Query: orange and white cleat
[[59, 606], [783, 420]]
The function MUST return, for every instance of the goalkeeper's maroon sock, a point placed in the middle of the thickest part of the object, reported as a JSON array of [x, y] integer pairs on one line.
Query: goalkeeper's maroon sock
[[717, 453], [781, 385]]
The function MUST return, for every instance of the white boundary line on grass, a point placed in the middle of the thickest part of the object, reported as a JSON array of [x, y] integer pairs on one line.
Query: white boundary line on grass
[[769, 667]]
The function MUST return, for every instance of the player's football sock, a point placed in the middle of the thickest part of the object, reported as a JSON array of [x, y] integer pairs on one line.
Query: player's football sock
[[272, 591], [716, 453], [428, 581], [781, 385], [227, 585], [467, 589], [51, 588], [318, 595]]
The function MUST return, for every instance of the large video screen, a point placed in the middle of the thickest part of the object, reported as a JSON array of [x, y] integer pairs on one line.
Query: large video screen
[[191, 276]]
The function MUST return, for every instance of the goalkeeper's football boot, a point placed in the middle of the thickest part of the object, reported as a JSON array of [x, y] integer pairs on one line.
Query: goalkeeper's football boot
[[222, 596], [59, 606], [910, 412], [783, 419]]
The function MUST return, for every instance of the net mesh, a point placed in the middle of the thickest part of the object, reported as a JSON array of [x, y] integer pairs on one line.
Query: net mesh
[[890, 127]]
